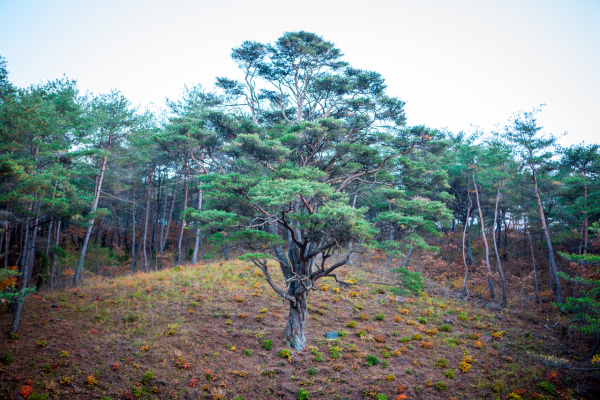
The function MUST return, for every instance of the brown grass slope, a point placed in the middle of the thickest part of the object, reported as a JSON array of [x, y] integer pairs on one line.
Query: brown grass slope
[[202, 332]]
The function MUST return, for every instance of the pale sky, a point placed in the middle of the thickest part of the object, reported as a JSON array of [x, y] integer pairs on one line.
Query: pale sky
[[456, 64]]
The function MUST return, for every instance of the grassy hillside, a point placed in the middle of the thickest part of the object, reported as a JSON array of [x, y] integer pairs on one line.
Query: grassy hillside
[[215, 331]]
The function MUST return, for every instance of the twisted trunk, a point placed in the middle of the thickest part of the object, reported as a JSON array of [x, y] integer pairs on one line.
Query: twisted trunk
[[294, 330]]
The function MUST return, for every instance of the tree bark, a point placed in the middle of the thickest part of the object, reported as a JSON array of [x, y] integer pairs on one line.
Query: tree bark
[[585, 213], [56, 241], [504, 303], [294, 330], [487, 250], [133, 226], [185, 196], [145, 236], [552, 263], [198, 232], [167, 228], [465, 232]]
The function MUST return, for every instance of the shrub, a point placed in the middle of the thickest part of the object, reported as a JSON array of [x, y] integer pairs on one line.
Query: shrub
[[441, 386], [445, 328], [411, 281], [547, 387], [351, 324], [405, 339], [449, 374], [284, 353], [6, 359], [312, 371], [417, 336], [267, 344], [441, 363], [423, 320], [342, 333], [372, 360], [148, 376], [335, 352], [248, 352], [379, 317], [380, 396], [302, 394]]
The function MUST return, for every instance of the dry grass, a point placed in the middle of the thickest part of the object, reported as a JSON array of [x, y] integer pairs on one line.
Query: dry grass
[[198, 332]]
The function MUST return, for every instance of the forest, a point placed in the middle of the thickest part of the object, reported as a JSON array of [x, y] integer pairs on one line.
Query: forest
[[302, 167]]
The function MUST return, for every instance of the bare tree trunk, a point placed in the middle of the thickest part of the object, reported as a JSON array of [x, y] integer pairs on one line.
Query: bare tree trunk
[[26, 271], [57, 234], [407, 258], [148, 199], [585, 213], [554, 270], [294, 331], [6, 245], [198, 232], [504, 303], [164, 241], [468, 214], [77, 276], [185, 196], [133, 226], [537, 296], [487, 250]]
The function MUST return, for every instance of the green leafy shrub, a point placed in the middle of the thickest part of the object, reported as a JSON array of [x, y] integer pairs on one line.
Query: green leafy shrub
[[284, 353], [302, 394], [547, 387], [379, 317], [6, 359], [148, 376], [267, 344], [441, 386], [411, 281], [445, 328], [441, 363], [372, 360]]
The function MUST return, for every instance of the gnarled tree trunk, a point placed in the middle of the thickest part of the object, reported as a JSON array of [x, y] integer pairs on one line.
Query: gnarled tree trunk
[[294, 330]]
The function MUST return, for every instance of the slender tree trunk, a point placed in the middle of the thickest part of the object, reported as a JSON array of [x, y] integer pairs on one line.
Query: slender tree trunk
[[77, 276], [465, 231], [537, 296], [6, 245], [554, 270], [27, 270], [133, 226], [57, 234], [487, 250], [198, 232], [148, 199], [585, 213], [407, 258], [294, 331], [470, 256], [168, 227], [185, 196], [504, 303]]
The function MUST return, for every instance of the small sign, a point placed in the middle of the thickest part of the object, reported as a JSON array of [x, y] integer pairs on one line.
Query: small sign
[[331, 335]]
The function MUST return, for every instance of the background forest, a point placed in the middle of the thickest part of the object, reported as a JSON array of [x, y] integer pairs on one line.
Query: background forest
[[305, 161]]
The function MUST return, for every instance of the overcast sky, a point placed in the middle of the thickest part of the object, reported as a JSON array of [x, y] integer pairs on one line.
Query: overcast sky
[[456, 64]]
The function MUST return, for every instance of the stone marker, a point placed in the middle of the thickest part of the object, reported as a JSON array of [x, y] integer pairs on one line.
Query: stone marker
[[331, 335]]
